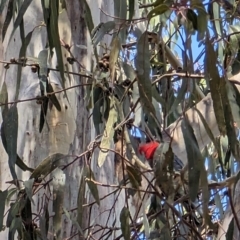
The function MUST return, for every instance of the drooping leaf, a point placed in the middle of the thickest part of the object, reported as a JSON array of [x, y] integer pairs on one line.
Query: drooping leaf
[[4, 97], [53, 97], [2, 5], [92, 186], [8, 18], [131, 4], [215, 83], [192, 16], [124, 220], [202, 21], [134, 176], [28, 188], [99, 31], [43, 70], [22, 54], [26, 217], [120, 12], [54, 8], [16, 225], [108, 133], [59, 181], [88, 16], [129, 71], [73, 220], [9, 132], [81, 199], [143, 73], [3, 197], [180, 96], [44, 222], [21, 12], [48, 165], [230, 230], [43, 112], [22, 165], [98, 101], [115, 49], [160, 9], [194, 157]]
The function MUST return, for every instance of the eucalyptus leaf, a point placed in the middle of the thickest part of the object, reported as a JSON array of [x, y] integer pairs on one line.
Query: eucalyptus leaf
[[48, 165], [28, 188], [125, 225], [3, 197], [8, 18], [194, 158], [108, 133], [92, 186], [230, 230], [160, 9], [131, 4], [53, 97], [115, 49], [21, 12], [9, 132], [99, 31]]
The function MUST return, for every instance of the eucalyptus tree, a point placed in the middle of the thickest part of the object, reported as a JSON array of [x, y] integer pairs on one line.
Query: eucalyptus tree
[[79, 79]]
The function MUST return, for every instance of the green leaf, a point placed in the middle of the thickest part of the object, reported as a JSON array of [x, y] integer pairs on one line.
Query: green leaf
[[54, 8], [98, 101], [2, 5], [129, 71], [92, 186], [194, 158], [48, 165], [3, 197], [88, 16], [120, 12], [20, 15], [73, 220], [8, 18], [134, 176], [22, 54], [180, 96], [192, 16], [99, 31], [59, 181], [53, 97], [28, 188], [108, 133], [43, 70], [215, 84], [230, 230], [202, 22], [143, 72], [131, 4], [11, 192], [22, 165], [115, 49], [9, 132], [43, 112], [143, 77], [81, 200], [44, 222], [125, 226], [4, 97], [157, 96], [158, 11]]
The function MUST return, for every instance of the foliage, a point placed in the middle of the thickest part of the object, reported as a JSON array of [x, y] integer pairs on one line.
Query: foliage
[[150, 79]]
